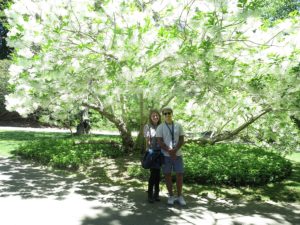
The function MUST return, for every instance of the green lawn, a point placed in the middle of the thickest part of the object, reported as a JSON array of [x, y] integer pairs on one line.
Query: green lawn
[[10, 140], [285, 191], [294, 157]]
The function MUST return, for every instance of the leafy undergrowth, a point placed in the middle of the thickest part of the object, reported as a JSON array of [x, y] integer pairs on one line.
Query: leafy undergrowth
[[229, 164], [283, 180], [234, 164], [250, 173], [287, 190], [69, 153]]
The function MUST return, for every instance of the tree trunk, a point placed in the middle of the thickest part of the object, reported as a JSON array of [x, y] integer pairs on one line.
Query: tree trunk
[[84, 126], [140, 143], [127, 140]]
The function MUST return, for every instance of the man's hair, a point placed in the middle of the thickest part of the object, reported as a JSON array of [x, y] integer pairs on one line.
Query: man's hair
[[169, 109]]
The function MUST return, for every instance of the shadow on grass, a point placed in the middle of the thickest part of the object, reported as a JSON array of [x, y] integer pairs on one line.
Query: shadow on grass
[[127, 205], [116, 170], [287, 190]]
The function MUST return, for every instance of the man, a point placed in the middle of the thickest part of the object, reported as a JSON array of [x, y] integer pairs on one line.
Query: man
[[170, 137]]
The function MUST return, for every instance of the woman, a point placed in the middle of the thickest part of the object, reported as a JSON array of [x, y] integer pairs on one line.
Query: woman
[[153, 146]]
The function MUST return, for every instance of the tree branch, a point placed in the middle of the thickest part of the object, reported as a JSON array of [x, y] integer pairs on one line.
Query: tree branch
[[156, 64], [166, 102], [228, 135]]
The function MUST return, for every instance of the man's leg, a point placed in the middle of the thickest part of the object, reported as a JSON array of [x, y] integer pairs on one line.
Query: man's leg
[[169, 183], [179, 181], [167, 170]]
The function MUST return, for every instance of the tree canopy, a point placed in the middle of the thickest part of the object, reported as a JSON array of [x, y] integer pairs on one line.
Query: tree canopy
[[221, 67]]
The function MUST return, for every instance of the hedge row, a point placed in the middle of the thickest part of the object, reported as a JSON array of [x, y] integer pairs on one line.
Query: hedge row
[[66, 153], [229, 164], [234, 164]]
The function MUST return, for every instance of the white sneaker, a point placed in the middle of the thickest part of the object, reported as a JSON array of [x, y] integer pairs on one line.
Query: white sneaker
[[171, 200], [181, 200]]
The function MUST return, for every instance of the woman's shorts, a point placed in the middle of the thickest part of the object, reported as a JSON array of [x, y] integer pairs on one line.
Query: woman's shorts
[[170, 165]]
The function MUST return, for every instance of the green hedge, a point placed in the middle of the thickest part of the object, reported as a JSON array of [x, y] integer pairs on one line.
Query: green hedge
[[234, 165], [65, 153], [229, 164]]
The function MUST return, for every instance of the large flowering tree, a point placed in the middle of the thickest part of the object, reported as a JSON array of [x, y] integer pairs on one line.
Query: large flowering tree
[[223, 69]]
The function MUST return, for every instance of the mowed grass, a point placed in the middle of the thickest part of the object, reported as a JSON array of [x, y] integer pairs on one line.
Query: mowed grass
[[10, 140], [295, 157]]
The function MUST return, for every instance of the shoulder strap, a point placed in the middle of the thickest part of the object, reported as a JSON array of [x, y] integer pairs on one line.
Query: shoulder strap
[[149, 127], [171, 131]]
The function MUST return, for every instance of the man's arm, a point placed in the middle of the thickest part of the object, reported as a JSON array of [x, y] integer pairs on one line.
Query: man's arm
[[180, 143], [162, 144]]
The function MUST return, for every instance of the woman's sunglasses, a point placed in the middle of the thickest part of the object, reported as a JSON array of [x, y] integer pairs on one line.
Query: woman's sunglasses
[[167, 113]]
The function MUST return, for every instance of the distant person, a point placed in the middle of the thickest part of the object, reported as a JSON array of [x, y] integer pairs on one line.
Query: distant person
[[153, 146], [170, 137]]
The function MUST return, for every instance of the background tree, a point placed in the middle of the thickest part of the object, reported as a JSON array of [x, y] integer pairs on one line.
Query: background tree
[[272, 10], [4, 65], [4, 49]]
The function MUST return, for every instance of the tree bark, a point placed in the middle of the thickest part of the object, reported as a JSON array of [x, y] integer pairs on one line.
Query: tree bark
[[84, 126], [140, 143], [127, 140]]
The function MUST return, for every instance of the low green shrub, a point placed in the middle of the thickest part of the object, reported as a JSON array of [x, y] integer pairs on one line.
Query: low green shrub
[[67, 153], [234, 164], [229, 164]]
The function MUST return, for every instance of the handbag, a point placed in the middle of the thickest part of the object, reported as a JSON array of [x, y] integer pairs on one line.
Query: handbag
[[147, 159], [152, 159]]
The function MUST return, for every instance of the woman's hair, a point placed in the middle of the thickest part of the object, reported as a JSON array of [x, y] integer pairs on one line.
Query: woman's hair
[[154, 111]]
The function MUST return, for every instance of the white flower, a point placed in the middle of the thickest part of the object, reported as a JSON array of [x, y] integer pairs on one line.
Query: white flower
[[15, 70], [75, 64], [204, 6], [19, 102], [25, 52], [13, 31]]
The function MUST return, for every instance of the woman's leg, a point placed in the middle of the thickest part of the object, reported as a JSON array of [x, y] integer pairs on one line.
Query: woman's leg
[[151, 183], [156, 184]]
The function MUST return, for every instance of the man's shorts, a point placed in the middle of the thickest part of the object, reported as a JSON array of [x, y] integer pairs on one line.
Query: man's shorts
[[170, 165]]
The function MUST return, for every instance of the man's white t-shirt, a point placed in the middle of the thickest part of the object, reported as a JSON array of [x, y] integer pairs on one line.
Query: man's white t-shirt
[[164, 131]]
